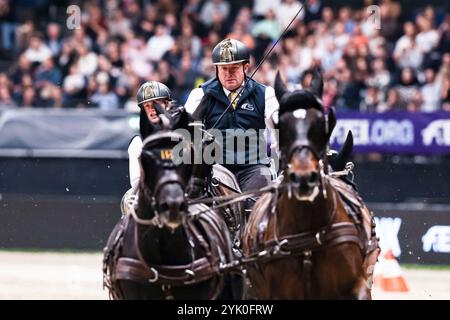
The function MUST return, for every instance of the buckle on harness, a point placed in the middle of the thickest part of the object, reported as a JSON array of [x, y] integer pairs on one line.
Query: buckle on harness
[[279, 248], [156, 275], [319, 241]]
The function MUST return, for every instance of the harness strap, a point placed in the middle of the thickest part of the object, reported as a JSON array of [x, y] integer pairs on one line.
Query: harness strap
[[135, 270], [307, 271], [298, 244]]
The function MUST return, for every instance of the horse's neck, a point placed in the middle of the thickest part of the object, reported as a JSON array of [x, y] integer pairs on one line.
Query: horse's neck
[[163, 246], [296, 216]]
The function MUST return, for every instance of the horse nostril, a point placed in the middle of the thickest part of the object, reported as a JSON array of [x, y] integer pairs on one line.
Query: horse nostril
[[183, 207], [163, 207], [314, 177], [294, 177]]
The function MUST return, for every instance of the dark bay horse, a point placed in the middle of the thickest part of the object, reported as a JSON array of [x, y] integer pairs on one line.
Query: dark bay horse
[[314, 238], [165, 249]]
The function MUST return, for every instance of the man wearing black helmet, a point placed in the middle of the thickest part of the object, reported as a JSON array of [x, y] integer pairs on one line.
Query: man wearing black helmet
[[251, 105]]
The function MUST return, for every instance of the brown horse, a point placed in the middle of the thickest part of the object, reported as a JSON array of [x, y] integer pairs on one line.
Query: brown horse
[[313, 238]]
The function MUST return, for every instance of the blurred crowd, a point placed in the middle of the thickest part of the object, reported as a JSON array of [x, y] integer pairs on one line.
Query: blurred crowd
[[401, 62]]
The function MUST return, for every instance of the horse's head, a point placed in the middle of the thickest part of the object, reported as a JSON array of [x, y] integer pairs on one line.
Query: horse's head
[[304, 131], [164, 173], [163, 179]]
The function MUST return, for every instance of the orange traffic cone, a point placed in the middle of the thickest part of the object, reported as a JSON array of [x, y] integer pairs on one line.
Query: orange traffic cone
[[390, 275]]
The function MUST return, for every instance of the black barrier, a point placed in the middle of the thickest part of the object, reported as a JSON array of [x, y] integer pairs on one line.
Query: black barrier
[[415, 232], [62, 222]]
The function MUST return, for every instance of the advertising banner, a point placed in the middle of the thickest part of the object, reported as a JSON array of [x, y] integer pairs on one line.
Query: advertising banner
[[395, 132]]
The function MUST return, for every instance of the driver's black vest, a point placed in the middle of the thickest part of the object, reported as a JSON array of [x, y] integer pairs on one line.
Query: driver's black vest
[[247, 120]]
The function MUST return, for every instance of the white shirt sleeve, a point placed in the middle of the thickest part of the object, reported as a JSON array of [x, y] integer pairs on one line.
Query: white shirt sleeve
[[193, 100], [271, 107], [134, 152]]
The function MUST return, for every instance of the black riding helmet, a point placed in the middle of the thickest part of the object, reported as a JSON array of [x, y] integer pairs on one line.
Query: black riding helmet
[[230, 51]]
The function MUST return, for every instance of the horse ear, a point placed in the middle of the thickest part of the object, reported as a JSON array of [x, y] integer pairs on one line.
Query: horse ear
[[280, 87], [339, 160], [182, 119], [331, 121], [164, 116], [146, 128], [317, 84]]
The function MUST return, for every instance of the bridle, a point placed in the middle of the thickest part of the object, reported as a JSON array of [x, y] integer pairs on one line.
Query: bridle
[[293, 181], [171, 177]]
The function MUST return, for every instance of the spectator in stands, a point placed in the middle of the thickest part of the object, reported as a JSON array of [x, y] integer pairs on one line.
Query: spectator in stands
[[186, 77], [19, 90], [158, 44], [286, 11], [22, 67], [407, 54], [47, 72], [6, 100], [8, 25], [119, 24], [390, 12], [87, 60], [244, 17], [49, 96], [313, 10], [28, 97], [95, 21], [345, 16], [74, 85], [6, 87], [53, 39], [188, 41], [408, 85], [380, 77], [104, 97], [80, 37], [23, 35], [37, 50], [445, 94], [165, 75], [349, 89], [431, 92], [214, 8], [240, 33], [261, 7], [414, 104], [393, 102], [371, 100], [268, 28], [428, 38]]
